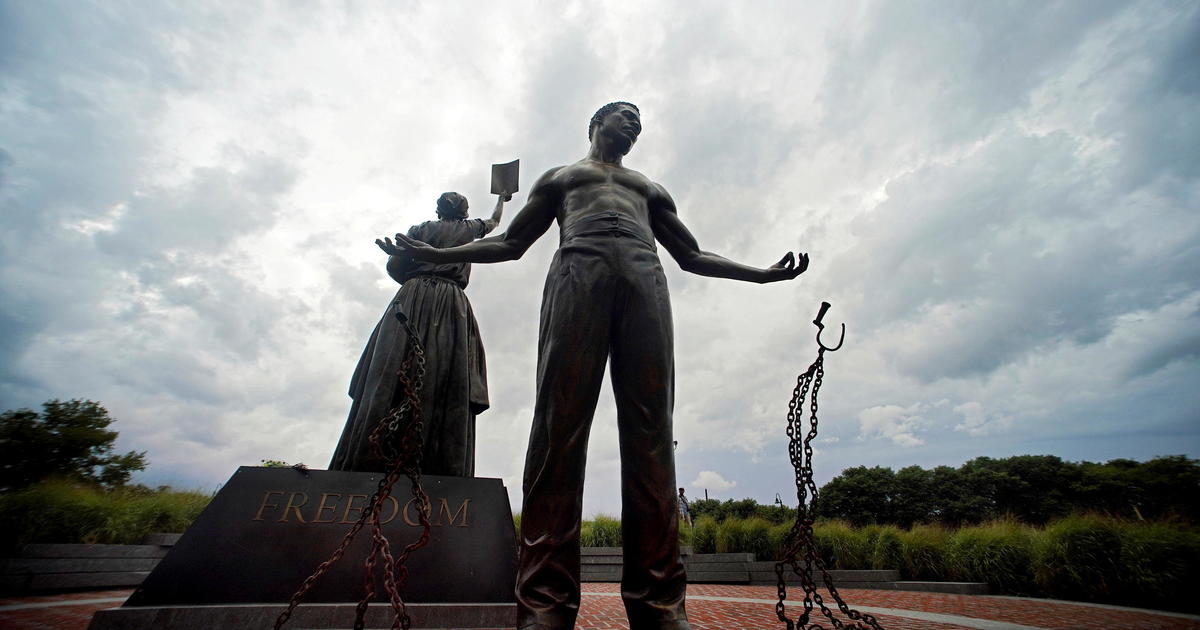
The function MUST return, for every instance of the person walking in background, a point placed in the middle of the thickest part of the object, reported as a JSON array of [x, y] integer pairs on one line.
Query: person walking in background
[[685, 509]]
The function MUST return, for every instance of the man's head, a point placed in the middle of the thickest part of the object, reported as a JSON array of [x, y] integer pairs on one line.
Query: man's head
[[617, 117], [452, 205]]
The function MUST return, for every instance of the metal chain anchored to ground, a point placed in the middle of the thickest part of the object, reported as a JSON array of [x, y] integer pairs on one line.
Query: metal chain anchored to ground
[[397, 442], [800, 551]]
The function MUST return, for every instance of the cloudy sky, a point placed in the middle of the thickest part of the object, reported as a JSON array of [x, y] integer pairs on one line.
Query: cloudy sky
[[1000, 200]]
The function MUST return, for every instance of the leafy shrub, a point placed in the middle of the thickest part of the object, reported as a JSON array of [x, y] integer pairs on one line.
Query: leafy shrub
[[842, 546], [731, 535], [999, 553], [1079, 557], [1151, 564], [756, 539], [54, 510], [133, 518], [887, 550], [779, 540], [587, 534], [685, 534], [870, 532], [606, 531], [1160, 565], [923, 552], [704, 535], [67, 511]]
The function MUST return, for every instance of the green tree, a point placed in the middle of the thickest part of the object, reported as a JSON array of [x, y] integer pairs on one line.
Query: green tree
[[1108, 488], [1034, 488], [1048, 490], [69, 439], [1164, 486], [860, 495], [776, 513], [975, 500], [743, 509], [912, 499], [700, 508], [1168, 485]]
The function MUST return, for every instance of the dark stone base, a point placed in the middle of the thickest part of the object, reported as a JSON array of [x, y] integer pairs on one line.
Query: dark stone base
[[305, 617], [269, 528]]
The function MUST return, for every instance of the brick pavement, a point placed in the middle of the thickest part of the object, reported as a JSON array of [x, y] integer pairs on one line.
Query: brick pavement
[[1024, 611], [724, 607]]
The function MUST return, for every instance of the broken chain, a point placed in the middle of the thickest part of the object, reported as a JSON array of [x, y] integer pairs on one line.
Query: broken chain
[[800, 550], [397, 442]]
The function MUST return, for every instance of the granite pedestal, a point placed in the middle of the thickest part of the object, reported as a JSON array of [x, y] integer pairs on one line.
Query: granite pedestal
[[269, 528]]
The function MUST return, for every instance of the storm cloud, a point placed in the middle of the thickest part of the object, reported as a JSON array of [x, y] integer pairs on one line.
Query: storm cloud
[[999, 200]]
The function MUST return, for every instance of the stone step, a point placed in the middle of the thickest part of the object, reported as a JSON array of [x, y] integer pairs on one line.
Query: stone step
[[91, 551], [305, 616], [612, 576], [72, 581], [878, 586], [763, 570], [39, 566], [715, 566], [600, 551], [722, 557], [617, 551], [62, 567], [586, 560], [600, 569], [162, 539], [957, 588], [718, 577]]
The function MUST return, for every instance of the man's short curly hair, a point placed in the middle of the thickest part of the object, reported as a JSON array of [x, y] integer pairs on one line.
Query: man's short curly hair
[[452, 205], [598, 117]]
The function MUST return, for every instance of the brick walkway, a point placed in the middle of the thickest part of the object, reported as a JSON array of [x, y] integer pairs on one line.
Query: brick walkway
[[720, 607]]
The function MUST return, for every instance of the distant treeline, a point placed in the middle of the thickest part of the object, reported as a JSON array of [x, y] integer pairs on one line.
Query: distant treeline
[[1032, 488]]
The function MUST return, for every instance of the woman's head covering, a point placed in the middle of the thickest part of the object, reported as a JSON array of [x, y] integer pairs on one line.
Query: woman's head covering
[[452, 205]]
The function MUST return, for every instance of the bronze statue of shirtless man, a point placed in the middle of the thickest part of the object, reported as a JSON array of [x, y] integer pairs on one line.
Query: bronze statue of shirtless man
[[605, 296]]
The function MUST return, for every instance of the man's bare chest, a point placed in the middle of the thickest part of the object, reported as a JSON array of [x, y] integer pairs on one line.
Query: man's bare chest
[[604, 178]]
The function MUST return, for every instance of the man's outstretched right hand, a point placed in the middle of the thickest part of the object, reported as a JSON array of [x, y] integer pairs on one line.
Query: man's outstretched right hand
[[405, 246]]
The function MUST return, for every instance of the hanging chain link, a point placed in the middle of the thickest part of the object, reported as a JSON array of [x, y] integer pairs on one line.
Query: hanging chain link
[[800, 550], [397, 442]]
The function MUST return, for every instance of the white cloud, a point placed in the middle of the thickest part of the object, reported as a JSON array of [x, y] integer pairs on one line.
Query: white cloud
[[892, 422], [712, 480], [976, 422]]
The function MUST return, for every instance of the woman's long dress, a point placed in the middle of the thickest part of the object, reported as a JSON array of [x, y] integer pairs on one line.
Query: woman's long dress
[[455, 387]]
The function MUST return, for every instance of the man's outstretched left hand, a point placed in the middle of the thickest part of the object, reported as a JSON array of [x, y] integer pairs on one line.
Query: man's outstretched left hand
[[787, 268]]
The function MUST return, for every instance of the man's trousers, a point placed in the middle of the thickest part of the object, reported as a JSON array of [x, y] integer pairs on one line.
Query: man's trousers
[[605, 296]]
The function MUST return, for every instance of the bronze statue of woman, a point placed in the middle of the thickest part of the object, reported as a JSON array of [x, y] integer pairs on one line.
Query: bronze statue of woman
[[455, 390]]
